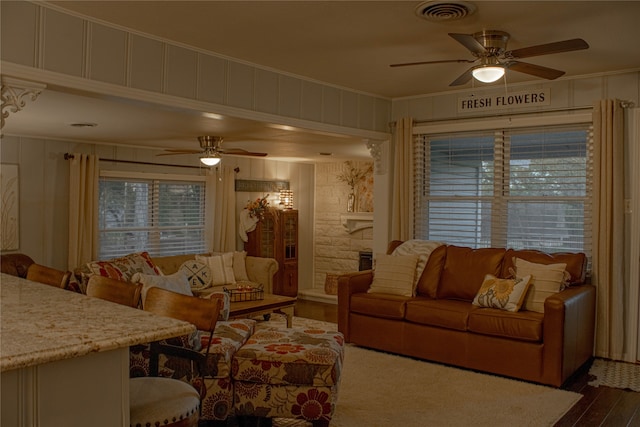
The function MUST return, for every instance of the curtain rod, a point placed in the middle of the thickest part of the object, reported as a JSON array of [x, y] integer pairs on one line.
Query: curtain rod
[[521, 113], [69, 156], [623, 104]]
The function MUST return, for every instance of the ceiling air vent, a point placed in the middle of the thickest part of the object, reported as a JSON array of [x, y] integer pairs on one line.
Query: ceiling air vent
[[444, 10]]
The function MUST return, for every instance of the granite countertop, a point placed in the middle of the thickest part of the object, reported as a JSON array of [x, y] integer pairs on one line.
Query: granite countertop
[[41, 324]]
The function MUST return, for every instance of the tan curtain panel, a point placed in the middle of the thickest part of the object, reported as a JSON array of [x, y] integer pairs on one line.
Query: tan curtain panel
[[608, 227], [83, 209], [224, 208], [402, 207]]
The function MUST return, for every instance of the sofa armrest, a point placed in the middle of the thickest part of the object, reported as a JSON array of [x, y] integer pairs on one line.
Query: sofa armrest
[[568, 331], [261, 271], [349, 284]]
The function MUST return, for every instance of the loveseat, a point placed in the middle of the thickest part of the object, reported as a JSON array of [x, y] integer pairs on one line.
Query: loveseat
[[441, 320]]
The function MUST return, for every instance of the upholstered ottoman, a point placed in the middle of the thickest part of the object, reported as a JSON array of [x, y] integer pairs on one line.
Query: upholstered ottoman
[[288, 373], [216, 392]]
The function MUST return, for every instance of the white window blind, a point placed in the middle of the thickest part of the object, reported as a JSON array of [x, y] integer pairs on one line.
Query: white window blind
[[162, 217], [518, 188]]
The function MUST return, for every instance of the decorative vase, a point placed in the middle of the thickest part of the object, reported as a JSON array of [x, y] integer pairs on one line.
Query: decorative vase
[[351, 203]]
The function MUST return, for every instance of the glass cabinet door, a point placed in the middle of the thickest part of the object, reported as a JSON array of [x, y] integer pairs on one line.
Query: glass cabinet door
[[290, 236]]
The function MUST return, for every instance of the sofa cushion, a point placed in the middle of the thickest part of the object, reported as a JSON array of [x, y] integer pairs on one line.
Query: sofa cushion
[[221, 268], [428, 282], [523, 325], [421, 248], [394, 274], [504, 294], [576, 262], [450, 314], [379, 305], [547, 279], [125, 267], [464, 270]]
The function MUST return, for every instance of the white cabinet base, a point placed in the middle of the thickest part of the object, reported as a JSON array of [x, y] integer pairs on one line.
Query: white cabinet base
[[91, 390]]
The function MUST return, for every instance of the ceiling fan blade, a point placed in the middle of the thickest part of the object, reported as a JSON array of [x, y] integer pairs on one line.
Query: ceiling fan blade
[[468, 41], [171, 152], [240, 152], [432, 62], [534, 70], [549, 48], [463, 78]]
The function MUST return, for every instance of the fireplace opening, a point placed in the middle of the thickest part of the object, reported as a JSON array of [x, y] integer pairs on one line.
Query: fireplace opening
[[365, 260]]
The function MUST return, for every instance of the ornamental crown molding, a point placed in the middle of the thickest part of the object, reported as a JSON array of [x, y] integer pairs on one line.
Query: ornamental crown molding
[[16, 93]]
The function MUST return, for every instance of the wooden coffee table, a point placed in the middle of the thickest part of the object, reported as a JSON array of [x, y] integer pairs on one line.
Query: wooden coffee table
[[270, 304]]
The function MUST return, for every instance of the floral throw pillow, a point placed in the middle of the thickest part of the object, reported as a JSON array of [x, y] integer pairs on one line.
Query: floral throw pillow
[[125, 267], [504, 294]]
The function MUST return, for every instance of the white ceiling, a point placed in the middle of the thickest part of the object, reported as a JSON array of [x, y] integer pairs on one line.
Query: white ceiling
[[345, 43]]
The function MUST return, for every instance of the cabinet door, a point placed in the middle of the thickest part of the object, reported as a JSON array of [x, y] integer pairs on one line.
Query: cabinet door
[[262, 240], [290, 235], [289, 282]]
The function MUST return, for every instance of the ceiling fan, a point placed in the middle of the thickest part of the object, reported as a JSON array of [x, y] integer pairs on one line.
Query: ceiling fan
[[211, 150], [489, 48]]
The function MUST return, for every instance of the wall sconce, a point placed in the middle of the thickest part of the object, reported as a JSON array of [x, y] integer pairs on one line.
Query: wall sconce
[[286, 199]]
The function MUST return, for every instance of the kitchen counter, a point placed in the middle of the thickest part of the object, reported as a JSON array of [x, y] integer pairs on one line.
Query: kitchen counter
[[57, 347], [41, 324]]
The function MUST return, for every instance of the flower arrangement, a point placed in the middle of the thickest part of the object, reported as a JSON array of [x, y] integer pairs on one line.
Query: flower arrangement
[[353, 174], [257, 207]]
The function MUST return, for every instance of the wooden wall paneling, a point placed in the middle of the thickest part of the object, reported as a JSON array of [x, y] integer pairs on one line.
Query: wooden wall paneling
[[289, 100], [586, 90], [240, 85], [146, 64], [311, 108], [212, 78], [182, 72], [63, 39], [365, 111], [267, 90], [382, 112], [349, 109], [18, 24], [32, 197], [56, 209], [331, 105], [108, 49]]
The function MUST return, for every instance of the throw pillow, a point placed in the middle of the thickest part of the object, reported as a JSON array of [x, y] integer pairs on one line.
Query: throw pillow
[[394, 274], [198, 274], [125, 267], [221, 268], [240, 266], [546, 280], [422, 248], [176, 282], [505, 294]]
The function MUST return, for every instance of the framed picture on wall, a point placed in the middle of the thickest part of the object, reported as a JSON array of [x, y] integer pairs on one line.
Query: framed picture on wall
[[9, 208]]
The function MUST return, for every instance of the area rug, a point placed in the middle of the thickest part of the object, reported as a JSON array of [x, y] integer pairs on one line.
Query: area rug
[[381, 390], [615, 374]]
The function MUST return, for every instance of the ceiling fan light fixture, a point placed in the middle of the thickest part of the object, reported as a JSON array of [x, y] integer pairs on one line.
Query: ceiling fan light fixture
[[488, 73], [210, 159]]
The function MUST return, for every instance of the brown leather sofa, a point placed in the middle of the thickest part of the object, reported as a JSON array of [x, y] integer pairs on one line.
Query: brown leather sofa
[[540, 347]]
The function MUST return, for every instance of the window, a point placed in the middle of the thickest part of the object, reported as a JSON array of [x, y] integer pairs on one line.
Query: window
[[524, 188], [162, 217]]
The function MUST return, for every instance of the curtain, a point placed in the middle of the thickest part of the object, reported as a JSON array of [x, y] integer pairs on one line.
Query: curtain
[[83, 209], [608, 227], [402, 203], [224, 209]]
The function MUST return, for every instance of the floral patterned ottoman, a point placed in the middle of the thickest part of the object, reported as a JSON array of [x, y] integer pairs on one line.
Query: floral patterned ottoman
[[288, 373], [217, 390]]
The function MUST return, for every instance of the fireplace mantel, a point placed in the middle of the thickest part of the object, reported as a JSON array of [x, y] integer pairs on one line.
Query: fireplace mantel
[[356, 221]]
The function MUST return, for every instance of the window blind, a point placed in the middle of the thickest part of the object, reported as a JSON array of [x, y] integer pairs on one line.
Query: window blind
[[162, 217], [518, 188]]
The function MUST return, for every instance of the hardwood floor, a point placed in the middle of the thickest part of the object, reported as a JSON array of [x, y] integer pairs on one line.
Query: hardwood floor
[[599, 406]]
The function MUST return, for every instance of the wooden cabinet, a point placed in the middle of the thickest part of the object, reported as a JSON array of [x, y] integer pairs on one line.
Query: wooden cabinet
[[276, 236]]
